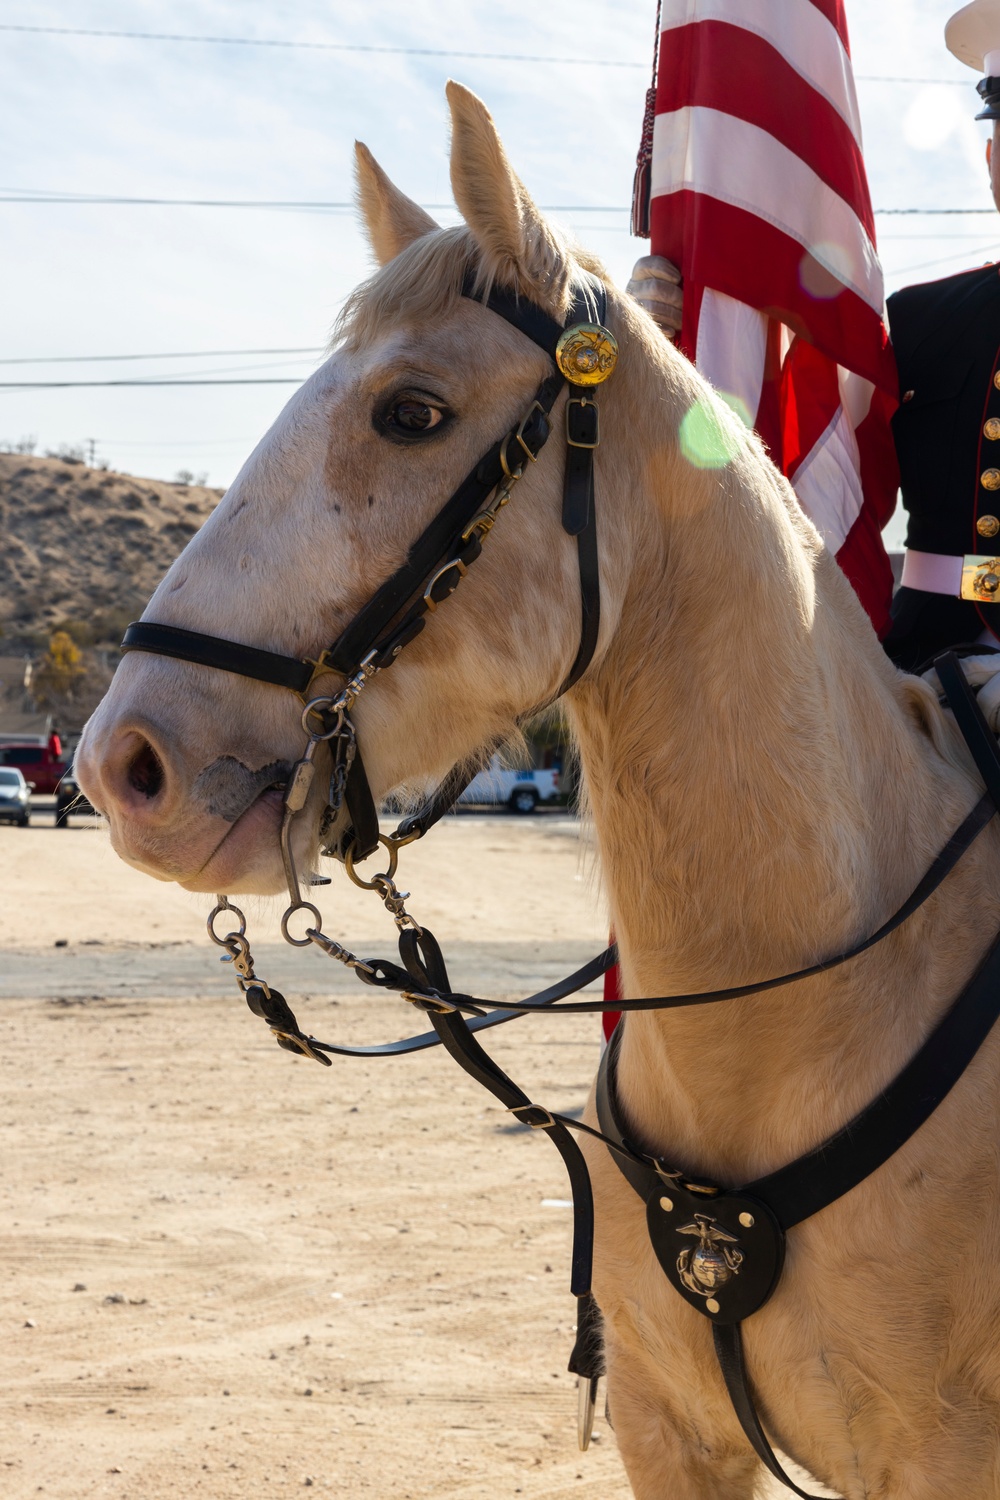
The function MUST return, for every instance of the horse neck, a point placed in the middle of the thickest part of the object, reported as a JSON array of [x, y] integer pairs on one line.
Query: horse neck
[[762, 795]]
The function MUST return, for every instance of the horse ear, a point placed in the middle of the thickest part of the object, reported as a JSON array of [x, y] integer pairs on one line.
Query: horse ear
[[515, 240], [392, 220]]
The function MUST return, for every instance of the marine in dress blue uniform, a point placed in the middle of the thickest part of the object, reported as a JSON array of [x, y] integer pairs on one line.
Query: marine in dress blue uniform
[[946, 336]]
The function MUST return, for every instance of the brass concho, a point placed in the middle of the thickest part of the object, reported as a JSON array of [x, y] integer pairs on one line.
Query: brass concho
[[714, 1261], [586, 354]]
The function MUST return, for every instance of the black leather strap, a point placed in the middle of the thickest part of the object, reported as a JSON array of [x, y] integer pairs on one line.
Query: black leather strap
[[969, 830], [969, 717], [422, 957], [729, 1351], [212, 651], [578, 980], [440, 538], [362, 836], [821, 1176]]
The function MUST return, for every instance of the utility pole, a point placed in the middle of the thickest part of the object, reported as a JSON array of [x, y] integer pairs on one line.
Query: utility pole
[[91, 444]]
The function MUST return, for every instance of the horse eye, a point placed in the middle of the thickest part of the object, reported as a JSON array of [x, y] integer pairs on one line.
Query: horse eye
[[409, 416]]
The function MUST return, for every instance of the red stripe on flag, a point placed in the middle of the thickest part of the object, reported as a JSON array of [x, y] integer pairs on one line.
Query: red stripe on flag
[[743, 256], [810, 398], [719, 66]]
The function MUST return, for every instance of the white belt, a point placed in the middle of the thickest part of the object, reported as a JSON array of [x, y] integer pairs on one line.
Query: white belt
[[933, 572], [939, 573]]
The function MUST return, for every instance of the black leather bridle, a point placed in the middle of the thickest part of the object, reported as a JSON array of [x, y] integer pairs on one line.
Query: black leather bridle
[[584, 353]]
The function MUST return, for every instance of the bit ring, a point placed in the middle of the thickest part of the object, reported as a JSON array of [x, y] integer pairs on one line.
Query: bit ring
[[304, 942], [372, 885], [221, 906]]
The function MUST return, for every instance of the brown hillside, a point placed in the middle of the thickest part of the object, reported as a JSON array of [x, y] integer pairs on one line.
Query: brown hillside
[[79, 543]]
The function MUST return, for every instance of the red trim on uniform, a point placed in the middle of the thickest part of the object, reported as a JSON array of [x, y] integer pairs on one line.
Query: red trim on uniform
[[994, 623]]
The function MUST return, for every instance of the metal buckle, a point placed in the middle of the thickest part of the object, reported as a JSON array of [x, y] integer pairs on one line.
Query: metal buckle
[[456, 562], [582, 401], [535, 406], [981, 578]]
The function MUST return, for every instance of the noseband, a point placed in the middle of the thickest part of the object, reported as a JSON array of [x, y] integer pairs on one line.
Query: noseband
[[585, 354]]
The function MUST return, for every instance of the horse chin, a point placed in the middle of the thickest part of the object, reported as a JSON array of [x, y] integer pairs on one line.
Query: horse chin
[[207, 854], [248, 859]]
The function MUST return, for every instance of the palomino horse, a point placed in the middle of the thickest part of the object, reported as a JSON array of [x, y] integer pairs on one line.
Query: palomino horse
[[765, 787]]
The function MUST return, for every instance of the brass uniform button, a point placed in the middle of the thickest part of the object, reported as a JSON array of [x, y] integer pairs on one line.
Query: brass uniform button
[[990, 479], [996, 380], [991, 429], [907, 396], [988, 525]]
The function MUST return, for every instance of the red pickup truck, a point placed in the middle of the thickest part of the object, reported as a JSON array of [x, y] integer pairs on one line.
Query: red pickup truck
[[39, 761]]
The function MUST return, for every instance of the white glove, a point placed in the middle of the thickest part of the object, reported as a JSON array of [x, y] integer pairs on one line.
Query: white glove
[[656, 286]]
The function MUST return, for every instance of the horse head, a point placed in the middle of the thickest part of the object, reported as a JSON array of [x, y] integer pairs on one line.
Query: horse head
[[189, 762]]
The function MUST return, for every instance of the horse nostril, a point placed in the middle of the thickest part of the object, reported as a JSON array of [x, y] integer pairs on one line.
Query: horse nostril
[[145, 772]]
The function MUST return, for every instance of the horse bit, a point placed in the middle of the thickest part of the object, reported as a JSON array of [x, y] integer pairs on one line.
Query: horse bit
[[727, 1261]]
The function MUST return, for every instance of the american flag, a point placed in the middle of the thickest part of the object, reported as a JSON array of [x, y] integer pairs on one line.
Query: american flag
[[757, 191], [751, 179]]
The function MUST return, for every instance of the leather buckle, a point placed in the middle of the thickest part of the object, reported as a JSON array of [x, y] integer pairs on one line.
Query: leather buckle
[[582, 423], [429, 600], [536, 406]]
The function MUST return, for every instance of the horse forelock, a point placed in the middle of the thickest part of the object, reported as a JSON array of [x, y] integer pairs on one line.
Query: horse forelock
[[424, 282]]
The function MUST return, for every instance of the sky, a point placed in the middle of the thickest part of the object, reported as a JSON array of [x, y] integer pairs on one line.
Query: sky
[[119, 117]]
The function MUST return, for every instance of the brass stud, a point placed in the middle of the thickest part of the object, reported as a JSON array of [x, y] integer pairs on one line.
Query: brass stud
[[746, 1220], [991, 429], [666, 1204], [988, 525], [990, 479], [712, 1305]]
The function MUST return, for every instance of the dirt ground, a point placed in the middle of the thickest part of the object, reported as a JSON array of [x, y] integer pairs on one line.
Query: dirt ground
[[229, 1272]]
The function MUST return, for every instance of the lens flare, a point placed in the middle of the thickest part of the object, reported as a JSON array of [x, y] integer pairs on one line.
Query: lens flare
[[711, 435], [822, 270]]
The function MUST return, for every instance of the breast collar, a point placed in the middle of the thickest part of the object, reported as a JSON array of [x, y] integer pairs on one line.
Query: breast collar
[[585, 353]]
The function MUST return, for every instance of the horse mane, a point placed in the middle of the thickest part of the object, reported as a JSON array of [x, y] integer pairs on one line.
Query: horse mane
[[426, 280]]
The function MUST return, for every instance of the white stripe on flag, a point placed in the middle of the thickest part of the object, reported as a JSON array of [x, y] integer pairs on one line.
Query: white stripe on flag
[[745, 166], [828, 484], [795, 29], [732, 343]]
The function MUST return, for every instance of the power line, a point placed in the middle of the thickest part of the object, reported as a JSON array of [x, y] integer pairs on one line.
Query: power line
[[90, 359], [41, 195], [249, 41], [65, 385]]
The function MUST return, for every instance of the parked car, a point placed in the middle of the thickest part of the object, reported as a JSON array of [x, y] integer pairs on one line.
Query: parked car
[[37, 762], [70, 799], [521, 791], [15, 797]]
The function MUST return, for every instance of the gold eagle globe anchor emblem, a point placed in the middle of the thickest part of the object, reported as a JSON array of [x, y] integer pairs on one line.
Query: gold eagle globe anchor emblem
[[713, 1262], [586, 353]]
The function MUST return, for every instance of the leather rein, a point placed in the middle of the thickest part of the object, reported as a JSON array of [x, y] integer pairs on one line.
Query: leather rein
[[727, 1261]]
